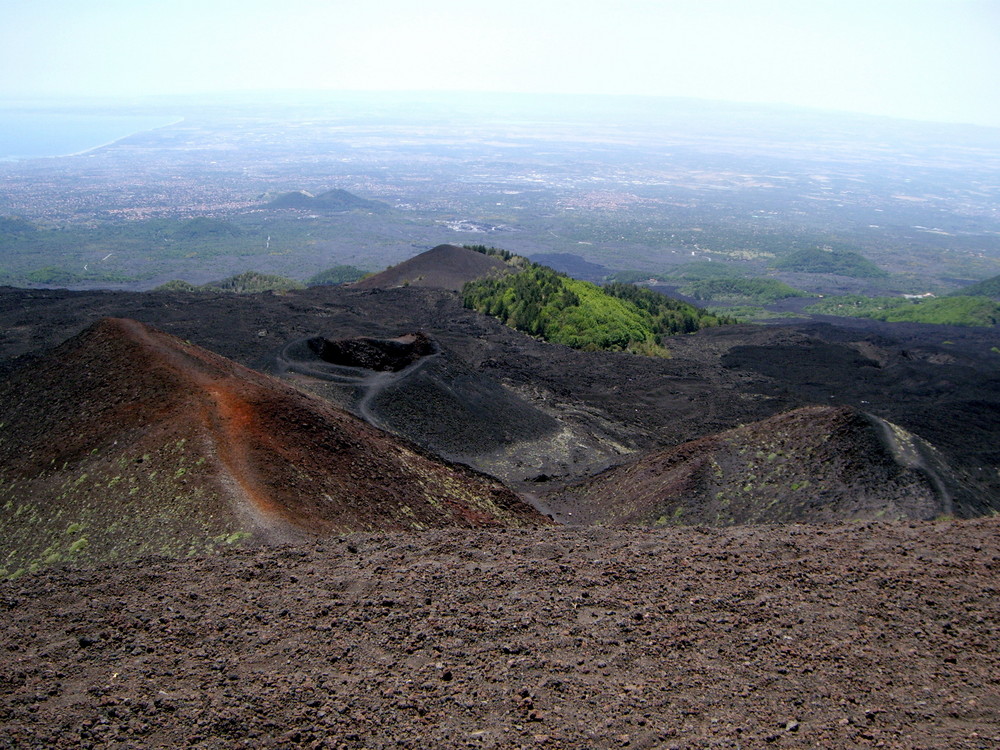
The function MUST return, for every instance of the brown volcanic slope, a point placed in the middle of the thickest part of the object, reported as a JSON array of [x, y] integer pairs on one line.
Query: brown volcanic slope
[[859, 636], [442, 267], [126, 440], [814, 464]]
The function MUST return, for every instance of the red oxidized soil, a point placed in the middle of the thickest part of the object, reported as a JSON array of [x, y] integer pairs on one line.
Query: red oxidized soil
[[283, 461]]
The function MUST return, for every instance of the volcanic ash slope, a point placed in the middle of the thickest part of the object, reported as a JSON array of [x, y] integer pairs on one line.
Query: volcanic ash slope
[[814, 464], [125, 441], [441, 267]]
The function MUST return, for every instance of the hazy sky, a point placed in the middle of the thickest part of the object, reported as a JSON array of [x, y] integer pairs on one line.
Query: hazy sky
[[922, 59]]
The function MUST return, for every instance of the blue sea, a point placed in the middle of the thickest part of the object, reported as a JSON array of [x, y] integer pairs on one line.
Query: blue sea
[[31, 135]]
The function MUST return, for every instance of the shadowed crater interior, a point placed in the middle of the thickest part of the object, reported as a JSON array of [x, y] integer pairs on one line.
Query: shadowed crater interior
[[413, 387], [355, 360], [381, 355]]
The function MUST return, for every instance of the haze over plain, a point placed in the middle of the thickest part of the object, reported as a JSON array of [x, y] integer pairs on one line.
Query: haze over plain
[[935, 60]]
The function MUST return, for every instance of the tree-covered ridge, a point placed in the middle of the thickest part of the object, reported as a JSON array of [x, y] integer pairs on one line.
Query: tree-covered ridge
[[633, 277], [760, 291], [331, 200], [495, 252], [249, 282], [986, 288], [702, 269], [956, 311], [670, 316], [840, 262], [576, 313], [336, 275], [204, 227]]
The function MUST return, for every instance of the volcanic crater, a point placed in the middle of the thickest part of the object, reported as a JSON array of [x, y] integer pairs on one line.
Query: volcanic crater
[[346, 360]]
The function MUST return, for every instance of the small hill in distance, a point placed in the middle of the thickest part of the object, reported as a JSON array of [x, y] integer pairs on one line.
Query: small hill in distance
[[204, 227], [336, 275], [986, 288], [733, 290], [248, 282], [955, 310], [126, 441], [840, 263], [816, 464], [441, 267], [15, 226], [331, 200], [694, 271]]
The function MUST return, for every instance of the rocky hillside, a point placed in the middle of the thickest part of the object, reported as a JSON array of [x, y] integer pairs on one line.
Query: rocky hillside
[[442, 267], [814, 464], [126, 441]]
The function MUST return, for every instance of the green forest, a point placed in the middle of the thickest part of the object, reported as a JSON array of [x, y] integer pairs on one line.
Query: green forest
[[986, 288], [544, 303], [757, 291], [337, 275], [842, 263], [956, 311], [250, 282]]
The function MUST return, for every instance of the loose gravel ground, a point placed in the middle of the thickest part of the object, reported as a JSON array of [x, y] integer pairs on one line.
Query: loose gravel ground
[[875, 635]]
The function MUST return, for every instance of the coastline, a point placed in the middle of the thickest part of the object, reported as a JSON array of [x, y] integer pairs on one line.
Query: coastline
[[90, 149]]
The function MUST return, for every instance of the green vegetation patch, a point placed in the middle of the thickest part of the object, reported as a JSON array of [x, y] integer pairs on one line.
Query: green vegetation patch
[[839, 262], [633, 277], [986, 288], [253, 281], [250, 282], [336, 275], [15, 226], [496, 252], [204, 227], [695, 271], [748, 313], [956, 311], [57, 275], [756, 291], [701, 269], [177, 285], [562, 310]]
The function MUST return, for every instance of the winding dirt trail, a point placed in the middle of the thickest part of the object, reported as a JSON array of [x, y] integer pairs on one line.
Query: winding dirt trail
[[228, 419], [909, 451], [370, 383]]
